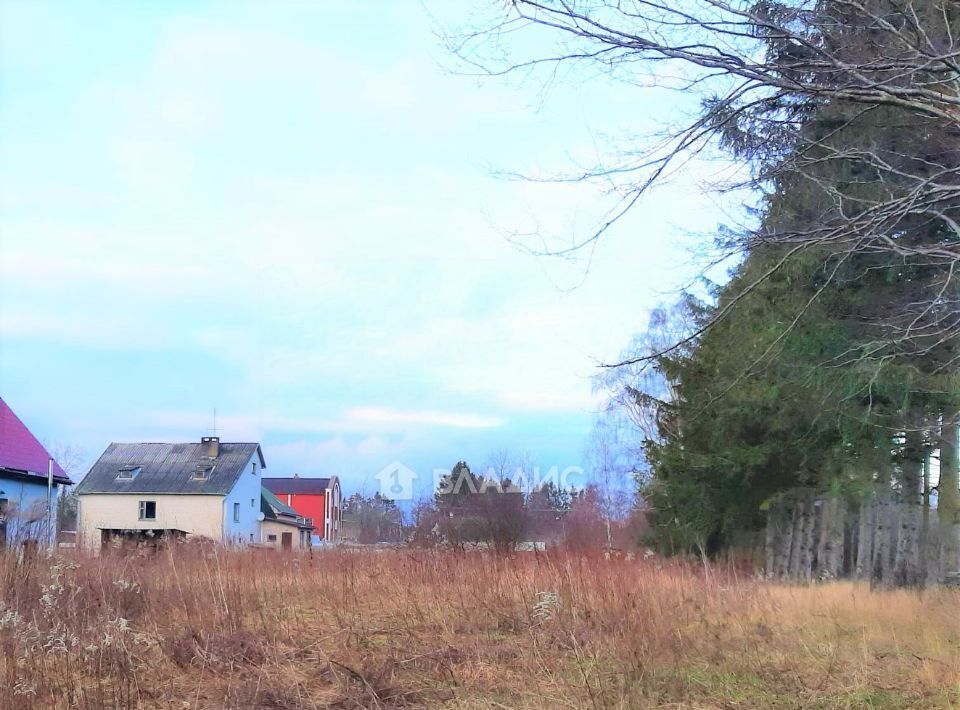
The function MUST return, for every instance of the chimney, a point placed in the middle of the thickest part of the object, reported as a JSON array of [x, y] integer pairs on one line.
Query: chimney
[[210, 446]]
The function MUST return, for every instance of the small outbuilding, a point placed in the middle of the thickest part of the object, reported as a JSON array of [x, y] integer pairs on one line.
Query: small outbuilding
[[282, 527]]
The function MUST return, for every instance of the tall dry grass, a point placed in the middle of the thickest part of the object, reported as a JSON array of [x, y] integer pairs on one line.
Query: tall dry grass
[[198, 627]]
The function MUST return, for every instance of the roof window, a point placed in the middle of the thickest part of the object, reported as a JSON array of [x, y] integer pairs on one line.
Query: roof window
[[128, 473], [202, 472]]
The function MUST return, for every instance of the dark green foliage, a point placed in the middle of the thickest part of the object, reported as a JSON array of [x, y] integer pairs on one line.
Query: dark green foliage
[[829, 358]]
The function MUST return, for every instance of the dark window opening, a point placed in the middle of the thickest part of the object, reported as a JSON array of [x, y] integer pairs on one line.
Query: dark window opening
[[148, 510]]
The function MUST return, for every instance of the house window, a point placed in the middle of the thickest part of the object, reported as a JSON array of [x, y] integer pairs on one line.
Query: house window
[[148, 510], [271, 538], [236, 512], [127, 473], [252, 505], [253, 468]]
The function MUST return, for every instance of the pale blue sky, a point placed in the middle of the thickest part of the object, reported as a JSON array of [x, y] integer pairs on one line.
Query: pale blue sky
[[286, 211]]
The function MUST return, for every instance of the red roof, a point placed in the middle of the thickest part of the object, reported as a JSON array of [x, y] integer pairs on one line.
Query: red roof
[[20, 450]]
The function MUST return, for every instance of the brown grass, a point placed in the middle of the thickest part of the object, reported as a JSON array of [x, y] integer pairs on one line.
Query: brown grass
[[209, 628]]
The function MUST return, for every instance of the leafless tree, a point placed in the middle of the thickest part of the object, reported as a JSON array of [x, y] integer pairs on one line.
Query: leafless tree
[[508, 465], [72, 460], [612, 458], [780, 81], [641, 394], [70, 457], [377, 519]]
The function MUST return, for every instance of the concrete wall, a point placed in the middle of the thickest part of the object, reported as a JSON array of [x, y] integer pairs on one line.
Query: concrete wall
[[245, 490], [26, 511], [196, 514], [271, 527]]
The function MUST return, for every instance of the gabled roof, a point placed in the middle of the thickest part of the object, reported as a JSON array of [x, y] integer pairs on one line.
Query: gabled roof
[[169, 468], [297, 485], [271, 506], [21, 454], [274, 509]]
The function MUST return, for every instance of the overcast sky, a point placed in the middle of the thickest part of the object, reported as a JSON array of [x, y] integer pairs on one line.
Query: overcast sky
[[286, 211]]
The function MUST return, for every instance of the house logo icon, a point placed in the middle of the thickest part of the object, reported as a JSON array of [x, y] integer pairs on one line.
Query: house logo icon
[[396, 481]]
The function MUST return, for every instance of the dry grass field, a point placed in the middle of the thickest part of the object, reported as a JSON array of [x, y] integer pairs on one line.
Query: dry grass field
[[208, 628]]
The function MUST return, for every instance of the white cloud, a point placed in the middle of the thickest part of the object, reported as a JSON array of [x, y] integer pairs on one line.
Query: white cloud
[[368, 420], [394, 417], [550, 401], [335, 450], [305, 217]]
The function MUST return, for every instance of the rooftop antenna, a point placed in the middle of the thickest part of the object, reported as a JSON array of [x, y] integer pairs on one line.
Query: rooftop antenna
[[213, 431]]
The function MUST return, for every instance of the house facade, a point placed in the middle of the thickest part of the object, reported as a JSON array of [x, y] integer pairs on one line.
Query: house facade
[[317, 498], [145, 491], [30, 482]]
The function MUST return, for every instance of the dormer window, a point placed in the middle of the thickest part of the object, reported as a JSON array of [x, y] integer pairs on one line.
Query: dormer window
[[128, 473], [202, 472]]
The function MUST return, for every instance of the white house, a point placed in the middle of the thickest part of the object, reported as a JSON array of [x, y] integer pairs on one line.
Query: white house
[[137, 492], [29, 484]]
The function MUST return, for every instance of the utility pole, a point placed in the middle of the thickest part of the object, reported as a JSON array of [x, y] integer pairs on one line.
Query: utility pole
[[51, 525]]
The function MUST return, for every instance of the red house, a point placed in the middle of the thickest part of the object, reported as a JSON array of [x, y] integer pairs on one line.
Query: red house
[[317, 498]]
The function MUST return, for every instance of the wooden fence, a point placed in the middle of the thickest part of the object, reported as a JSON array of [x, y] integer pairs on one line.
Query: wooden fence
[[813, 537]]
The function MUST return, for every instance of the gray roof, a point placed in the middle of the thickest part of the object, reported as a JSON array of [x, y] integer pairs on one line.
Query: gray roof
[[296, 485], [271, 506], [168, 468]]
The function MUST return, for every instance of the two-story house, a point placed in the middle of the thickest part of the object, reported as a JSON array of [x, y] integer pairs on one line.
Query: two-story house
[[137, 492]]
